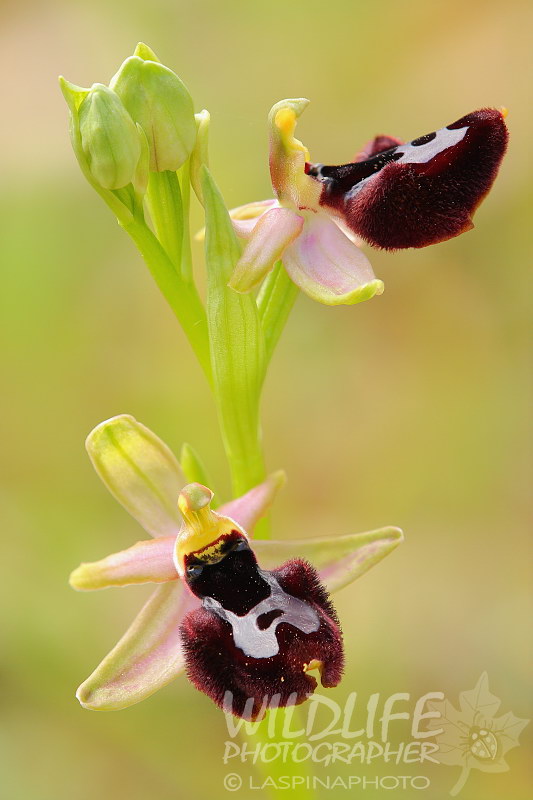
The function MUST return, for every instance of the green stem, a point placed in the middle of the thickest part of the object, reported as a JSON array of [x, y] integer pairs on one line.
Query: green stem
[[164, 203], [182, 297], [275, 301]]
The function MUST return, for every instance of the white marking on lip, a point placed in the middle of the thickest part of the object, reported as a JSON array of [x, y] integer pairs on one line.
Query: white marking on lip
[[247, 635], [422, 153], [418, 154]]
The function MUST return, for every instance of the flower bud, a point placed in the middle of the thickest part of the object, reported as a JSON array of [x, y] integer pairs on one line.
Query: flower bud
[[109, 138], [157, 99]]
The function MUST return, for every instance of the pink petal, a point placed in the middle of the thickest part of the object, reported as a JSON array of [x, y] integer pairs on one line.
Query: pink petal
[[273, 232], [248, 509], [327, 266], [140, 472], [145, 562], [148, 656], [339, 559], [245, 218], [244, 227]]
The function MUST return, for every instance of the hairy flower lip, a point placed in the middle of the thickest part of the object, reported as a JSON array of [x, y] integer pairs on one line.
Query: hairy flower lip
[[421, 192], [228, 651]]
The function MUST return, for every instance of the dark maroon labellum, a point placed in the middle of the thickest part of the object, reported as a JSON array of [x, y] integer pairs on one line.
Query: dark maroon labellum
[[258, 632], [419, 193]]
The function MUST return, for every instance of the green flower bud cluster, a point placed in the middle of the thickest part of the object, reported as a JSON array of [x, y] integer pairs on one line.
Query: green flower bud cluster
[[142, 122]]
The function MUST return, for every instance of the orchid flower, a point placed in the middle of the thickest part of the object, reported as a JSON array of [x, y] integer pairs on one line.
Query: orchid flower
[[231, 624], [392, 196]]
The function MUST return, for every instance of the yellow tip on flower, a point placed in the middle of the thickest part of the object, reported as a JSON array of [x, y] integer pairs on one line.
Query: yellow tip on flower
[[202, 528], [285, 122], [504, 111]]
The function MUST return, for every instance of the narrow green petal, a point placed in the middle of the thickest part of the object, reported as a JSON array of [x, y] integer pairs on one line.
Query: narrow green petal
[[148, 656], [339, 559], [145, 562], [194, 468], [140, 472]]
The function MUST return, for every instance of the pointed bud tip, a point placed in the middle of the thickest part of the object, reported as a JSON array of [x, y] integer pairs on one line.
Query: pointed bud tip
[[146, 53], [74, 95]]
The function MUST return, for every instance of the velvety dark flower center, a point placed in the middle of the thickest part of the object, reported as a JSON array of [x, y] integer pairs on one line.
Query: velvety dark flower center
[[234, 580], [257, 631]]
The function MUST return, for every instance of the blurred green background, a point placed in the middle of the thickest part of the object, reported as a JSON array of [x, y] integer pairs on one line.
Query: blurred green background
[[410, 409]]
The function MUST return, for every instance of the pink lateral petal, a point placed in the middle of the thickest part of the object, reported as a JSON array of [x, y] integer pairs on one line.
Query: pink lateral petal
[[146, 562], [148, 656], [245, 218], [274, 231]]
